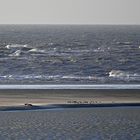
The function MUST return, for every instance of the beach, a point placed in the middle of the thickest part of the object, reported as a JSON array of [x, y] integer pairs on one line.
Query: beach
[[64, 96]]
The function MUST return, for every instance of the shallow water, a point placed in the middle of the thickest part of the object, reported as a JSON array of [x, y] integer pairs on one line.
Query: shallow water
[[45, 54], [76, 124]]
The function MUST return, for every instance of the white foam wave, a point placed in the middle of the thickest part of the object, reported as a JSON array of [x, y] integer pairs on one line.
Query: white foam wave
[[16, 46], [80, 77], [50, 77], [85, 50], [124, 75], [98, 50], [113, 74], [124, 43], [37, 50], [6, 76], [16, 53]]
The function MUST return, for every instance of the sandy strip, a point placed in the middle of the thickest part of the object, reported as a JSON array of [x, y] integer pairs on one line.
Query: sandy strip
[[45, 97]]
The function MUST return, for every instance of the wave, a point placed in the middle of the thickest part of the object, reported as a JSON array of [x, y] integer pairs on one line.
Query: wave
[[99, 49], [17, 49], [49, 77], [124, 75], [36, 50], [16, 53], [124, 43], [79, 77], [17, 46], [116, 78]]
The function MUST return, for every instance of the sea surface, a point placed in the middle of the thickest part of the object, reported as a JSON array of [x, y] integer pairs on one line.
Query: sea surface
[[69, 54], [121, 123]]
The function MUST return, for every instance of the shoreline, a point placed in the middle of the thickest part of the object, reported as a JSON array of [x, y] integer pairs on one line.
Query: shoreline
[[70, 86], [43, 97], [66, 106]]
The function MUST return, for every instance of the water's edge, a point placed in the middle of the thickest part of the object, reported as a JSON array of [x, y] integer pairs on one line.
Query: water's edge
[[65, 106], [101, 86]]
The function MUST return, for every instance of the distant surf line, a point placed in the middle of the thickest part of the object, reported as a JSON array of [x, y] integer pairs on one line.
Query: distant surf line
[[65, 86]]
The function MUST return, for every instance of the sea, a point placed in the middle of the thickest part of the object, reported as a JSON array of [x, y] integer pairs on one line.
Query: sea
[[69, 54]]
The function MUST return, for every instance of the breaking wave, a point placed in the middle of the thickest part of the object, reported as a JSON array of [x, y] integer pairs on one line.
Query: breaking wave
[[124, 43], [37, 50], [16, 53], [47, 77], [94, 79], [50, 78], [124, 75], [15, 50], [17, 46]]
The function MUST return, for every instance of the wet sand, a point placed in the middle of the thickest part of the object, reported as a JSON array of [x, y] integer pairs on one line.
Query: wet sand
[[65, 96]]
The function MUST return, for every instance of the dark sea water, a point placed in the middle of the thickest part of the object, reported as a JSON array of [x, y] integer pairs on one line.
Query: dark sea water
[[71, 124], [48, 54]]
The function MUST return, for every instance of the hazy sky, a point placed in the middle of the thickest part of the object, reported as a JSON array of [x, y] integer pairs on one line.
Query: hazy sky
[[70, 11]]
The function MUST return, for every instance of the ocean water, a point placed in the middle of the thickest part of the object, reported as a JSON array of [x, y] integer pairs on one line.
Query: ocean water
[[69, 54], [72, 124]]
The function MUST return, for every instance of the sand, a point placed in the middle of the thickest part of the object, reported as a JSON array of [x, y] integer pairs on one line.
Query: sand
[[45, 97]]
